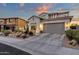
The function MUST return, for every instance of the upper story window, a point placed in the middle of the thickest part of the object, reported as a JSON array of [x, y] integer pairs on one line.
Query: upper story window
[[1, 20], [10, 20], [54, 15]]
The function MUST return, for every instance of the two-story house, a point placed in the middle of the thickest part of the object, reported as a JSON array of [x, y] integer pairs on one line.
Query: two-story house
[[55, 22], [51, 22], [13, 23]]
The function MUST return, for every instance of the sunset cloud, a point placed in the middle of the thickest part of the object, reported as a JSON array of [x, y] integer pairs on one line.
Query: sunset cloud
[[43, 8]]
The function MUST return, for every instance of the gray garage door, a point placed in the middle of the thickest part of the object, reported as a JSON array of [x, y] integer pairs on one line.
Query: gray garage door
[[54, 28]]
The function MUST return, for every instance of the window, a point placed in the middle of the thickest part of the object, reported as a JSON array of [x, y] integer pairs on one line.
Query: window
[[1, 21], [10, 20]]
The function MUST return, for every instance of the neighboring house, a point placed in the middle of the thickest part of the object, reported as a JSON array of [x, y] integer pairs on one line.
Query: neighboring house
[[35, 24], [74, 21], [55, 22], [13, 23]]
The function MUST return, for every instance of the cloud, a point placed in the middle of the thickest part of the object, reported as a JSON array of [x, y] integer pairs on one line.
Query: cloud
[[74, 6], [71, 7], [21, 4], [4, 4], [21, 8], [43, 8], [75, 13], [61, 9], [74, 10]]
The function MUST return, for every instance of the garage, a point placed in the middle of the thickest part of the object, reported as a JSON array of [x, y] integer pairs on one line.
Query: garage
[[54, 28]]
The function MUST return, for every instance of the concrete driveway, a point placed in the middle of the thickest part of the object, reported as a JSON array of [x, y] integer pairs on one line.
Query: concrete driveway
[[43, 44]]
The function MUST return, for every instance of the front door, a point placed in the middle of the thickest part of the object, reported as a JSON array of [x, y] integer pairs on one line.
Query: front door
[[33, 29]]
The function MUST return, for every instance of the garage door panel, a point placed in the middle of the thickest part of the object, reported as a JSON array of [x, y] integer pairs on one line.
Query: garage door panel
[[54, 28]]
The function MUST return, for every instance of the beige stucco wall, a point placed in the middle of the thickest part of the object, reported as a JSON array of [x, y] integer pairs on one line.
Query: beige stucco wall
[[21, 24]]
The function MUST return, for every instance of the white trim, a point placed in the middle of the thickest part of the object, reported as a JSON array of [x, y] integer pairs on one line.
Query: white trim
[[57, 21]]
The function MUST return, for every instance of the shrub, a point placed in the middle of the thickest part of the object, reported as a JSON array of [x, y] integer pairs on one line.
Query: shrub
[[31, 33], [16, 31], [18, 34], [69, 34], [23, 35], [73, 27], [6, 32], [26, 32], [73, 34], [76, 37], [41, 31]]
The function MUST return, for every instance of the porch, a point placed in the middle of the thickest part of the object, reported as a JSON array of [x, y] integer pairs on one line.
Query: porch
[[7, 27]]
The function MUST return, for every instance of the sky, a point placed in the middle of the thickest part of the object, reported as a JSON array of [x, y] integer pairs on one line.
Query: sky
[[26, 10]]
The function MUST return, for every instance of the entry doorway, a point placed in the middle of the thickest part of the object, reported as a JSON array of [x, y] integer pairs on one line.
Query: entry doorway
[[33, 28]]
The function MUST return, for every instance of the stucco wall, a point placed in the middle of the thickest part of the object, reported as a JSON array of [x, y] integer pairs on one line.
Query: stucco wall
[[34, 21], [21, 24]]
